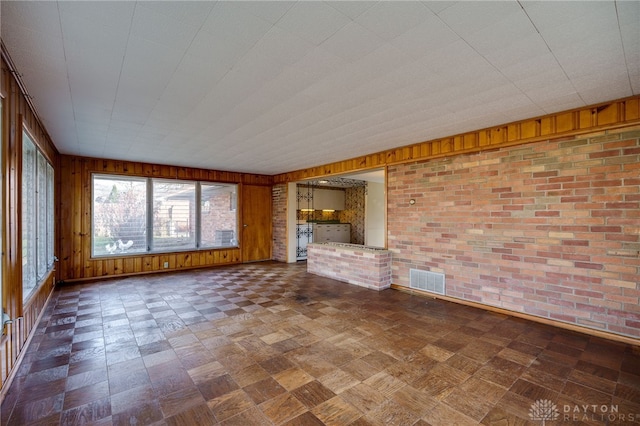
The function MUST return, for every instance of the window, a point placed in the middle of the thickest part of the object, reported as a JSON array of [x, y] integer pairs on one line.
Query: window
[[119, 215], [41, 225], [174, 215], [218, 215], [182, 215], [37, 216], [50, 217], [2, 318]]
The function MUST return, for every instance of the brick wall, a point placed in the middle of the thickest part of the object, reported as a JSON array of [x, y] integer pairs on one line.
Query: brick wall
[[550, 229], [279, 204], [351, 264]]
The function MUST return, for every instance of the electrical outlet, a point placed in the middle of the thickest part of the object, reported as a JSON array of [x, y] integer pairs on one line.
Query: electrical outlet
[[166, 264]]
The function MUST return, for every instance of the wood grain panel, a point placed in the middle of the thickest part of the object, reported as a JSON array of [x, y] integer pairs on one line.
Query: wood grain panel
[[76, 262], [602, 117], [256, 223], [17, 111]]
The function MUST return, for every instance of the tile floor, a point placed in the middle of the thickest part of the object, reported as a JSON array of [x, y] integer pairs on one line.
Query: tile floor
[[267, 343]]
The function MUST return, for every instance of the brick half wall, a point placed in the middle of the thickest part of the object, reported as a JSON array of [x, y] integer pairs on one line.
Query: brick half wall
[[352, 264], [550, 229]]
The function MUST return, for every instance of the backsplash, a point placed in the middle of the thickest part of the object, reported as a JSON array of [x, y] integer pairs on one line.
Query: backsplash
[[317, 215], [354, 213]]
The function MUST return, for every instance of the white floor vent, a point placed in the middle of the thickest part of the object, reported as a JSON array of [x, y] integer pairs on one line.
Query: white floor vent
[[427, 281]]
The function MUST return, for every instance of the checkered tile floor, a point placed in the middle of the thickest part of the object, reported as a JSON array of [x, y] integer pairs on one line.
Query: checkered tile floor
[[269, 344]]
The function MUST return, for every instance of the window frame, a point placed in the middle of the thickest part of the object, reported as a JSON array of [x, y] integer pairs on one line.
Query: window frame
[[43, 227], [3, 313], [115, 177], [153, 229], [149, 203]]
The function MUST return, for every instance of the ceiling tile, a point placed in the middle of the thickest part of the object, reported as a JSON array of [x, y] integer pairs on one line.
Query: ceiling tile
[[209, 51], [438, 6], [429, 35], [390, 19], [352, 42], [269, 11], [83, 38], [282, 47], [33, 42], [162, 29], [147, 60], [189, 13], [502, 34], [352, 9], [527, 50], [466, 18], [548, 16], [42, 17], [313, 21], [116, 15], [232, 21]]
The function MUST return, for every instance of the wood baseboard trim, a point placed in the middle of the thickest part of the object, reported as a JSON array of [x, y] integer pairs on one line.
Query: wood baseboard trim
[[16, 366], [572, 327], [135, 274]]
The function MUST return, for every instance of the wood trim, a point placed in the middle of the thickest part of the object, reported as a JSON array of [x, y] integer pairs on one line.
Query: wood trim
[[235, 261], [130, 168], [541, 320], [601, 117], [46, 292], [18, 114]]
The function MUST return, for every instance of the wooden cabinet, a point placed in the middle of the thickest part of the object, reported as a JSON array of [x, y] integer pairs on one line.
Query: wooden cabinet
[[331, 232], [328, 199]]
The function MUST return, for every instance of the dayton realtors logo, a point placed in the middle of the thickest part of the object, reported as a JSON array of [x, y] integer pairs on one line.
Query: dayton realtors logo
[[545, 410]]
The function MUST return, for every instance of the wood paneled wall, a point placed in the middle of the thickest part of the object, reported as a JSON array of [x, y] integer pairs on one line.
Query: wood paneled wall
[[17, 112], [76, 262], [610, 115]]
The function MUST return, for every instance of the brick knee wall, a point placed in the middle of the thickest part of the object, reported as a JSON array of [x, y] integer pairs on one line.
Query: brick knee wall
[[362, 267]]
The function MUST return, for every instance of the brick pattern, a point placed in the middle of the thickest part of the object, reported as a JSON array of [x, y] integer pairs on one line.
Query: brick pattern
[[551, 229], [355, 265], [279, 221]]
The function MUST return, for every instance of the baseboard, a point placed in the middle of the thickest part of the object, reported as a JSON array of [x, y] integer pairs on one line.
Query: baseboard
[[18, 362], [546, 321]]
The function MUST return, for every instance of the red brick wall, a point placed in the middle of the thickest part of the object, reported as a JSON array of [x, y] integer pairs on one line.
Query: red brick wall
[[279, 204], [352, 264], [550, 229]]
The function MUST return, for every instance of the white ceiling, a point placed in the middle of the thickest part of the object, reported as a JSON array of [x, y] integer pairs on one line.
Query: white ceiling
[[271, 87]]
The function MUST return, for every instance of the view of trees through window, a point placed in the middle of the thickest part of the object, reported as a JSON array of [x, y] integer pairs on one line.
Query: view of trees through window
[[137, 215], [119, 215]]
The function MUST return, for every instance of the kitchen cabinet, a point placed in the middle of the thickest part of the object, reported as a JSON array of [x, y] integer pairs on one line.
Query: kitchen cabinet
[[332, 232], [328, 199]]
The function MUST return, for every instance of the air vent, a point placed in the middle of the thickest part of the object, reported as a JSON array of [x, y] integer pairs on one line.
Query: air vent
[[426, 280]]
